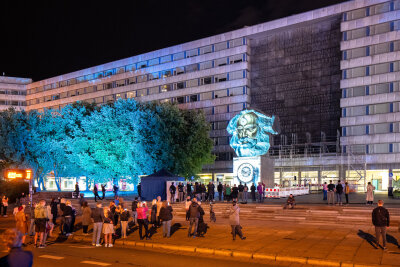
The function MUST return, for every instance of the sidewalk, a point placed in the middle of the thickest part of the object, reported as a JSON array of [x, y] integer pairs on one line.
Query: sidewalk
[[323, 245]]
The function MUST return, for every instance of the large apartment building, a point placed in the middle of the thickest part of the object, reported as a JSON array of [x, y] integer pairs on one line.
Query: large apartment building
[[13, 92], [330, 76]]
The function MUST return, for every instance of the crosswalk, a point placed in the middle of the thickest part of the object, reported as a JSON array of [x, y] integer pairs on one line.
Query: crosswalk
[[97, 263]]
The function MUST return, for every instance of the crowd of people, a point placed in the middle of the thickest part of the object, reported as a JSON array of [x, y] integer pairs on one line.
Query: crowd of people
[[334, 192]]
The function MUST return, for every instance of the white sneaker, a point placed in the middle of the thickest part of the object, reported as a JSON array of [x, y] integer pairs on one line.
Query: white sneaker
[[110, 245], [93, 244], [98, 245], [105, 245]]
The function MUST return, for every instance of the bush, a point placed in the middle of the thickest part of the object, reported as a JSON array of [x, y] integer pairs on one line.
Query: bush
[[13, 189], [396, 193]]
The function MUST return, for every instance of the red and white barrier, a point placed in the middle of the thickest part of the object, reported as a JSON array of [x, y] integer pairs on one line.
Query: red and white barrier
[[286, 191]]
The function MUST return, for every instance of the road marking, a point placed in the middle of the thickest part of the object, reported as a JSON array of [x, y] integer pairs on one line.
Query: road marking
[[96, 263], [51, 257], [81, 247]]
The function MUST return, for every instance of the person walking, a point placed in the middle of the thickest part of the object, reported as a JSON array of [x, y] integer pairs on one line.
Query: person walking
[[260, 192], [166, 218], [96, 193], [180, 192], [86, 217], [98, 219], [380, 219], [331, 193], [370, 193], [134, 212], [16, 257], [195, 211], [245, 193], [108, 227], [142, 220], [219, 189], [124, 218], [339, 192], [21, 223], [325, 191], [40, 223], [234, 221], [103, 190], [253, 192], [54, 210], [5, 205], [172, 191], [346, 192], [77, 190], [240, 189]]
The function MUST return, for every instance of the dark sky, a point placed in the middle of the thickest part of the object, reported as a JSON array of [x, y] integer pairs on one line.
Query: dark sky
[[42, 39]]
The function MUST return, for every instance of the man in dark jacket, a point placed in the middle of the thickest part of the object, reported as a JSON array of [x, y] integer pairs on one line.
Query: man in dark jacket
[[139, 190], [134, 212], [331, 193], [241, 189], [189, 190], [77, 190], [210, 189], [253, 192], [180, 192], [380, 219], [339, 192], [219, 188], [98, 219], [96, 193], [195, 211], [103, 190], [172, 191]]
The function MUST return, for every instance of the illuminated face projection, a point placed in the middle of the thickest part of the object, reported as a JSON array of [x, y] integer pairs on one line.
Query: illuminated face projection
[[249, 130]]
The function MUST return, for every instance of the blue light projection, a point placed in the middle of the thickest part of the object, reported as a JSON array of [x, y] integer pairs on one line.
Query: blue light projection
[[249, 130]]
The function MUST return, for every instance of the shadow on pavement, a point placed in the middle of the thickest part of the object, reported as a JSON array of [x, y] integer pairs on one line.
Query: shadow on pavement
[[392, 240], [367, 237], [175, 227]]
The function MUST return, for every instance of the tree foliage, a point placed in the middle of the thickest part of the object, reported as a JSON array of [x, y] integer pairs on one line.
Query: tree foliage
[[125, 139]]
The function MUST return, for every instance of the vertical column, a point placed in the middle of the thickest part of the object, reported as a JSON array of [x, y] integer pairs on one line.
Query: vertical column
[[280, 177], [319, 176], [299, 177], [390, 184]]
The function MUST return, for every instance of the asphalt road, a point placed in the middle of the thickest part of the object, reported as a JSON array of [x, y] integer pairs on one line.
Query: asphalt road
[[70, 254]]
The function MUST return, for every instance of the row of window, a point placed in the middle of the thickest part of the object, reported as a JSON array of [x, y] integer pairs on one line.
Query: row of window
[[373, 148], [371, 50], [12, 103], [380, 128], [144, 64], [224, 156], [12, 92], [371, 109], [371, 10], [146, 91], [372, 30], [373, 89], [371, 70]]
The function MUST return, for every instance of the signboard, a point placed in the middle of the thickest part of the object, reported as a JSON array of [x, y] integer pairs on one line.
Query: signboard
[[17, 174]]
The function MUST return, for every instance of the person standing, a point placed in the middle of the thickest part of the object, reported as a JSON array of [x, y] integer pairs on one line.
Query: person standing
[[380, 219], [86, 217], [325, 191], [370, 193], [1, 204], [21, 223], [103, 190], [68, 215], [195, 211], [228, 192], [331, 193], [346, 192], [134, 212], [219, 189], [187, 206], [98, 218], [124, 218], [115, 190], [260, 192], [180, 192], [96, 193], [139, 190], [172, 191], [77, 190], [245, 193], [210, 189], [54, 210], [12, 239], [166, 218], [203, 192], [40, 223], [159, 205], [253, 192], [32, 220], [142, 220], [235, 193], [153, 214], [234, 221], [241, 189], [108, 227], [189, 189], [339, 192], [5, 205]]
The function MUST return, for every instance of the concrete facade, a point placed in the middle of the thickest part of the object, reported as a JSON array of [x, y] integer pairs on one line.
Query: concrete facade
[[331, 76], [13, 92]]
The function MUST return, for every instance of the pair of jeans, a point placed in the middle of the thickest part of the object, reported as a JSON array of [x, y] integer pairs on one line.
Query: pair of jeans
[[143, 223], [347, 198], [380, 231], [245, 196], [331, 197], [68, 224], [181, 198], [220, 196], [32, 227], [134, 216], [97, 229], [339, 198], [166, 228], [240, 197], [236, 229], [325, 194], [260, 197], [124, 227], [195, 222], [85, 228]]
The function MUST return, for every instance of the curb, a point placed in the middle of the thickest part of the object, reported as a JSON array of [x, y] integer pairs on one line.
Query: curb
[[242, 254]]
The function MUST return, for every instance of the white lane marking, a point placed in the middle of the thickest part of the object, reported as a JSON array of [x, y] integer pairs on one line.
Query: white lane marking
[[51, 257], [96, 263], [81, 247]]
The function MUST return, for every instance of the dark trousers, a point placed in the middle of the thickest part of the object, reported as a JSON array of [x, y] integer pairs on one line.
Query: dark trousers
[[347, 198], [142, 223], [253, 196], [85, 228], [54, 218], [67, 225], [380, 231], [5, 210], [236, 229], [104, 194], [96, 195], [220, 196]]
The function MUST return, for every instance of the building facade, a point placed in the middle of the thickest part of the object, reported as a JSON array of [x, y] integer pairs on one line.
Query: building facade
[[13, 92], [330, 76]]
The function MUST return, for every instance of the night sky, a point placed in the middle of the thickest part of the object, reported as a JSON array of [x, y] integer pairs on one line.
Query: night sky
[[42, 39]]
